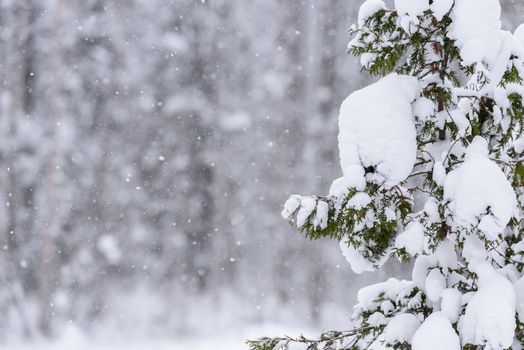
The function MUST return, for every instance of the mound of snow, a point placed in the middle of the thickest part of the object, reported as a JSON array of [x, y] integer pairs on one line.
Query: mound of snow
[[477, 29], [451, 304], [369, 8], [412, 8], [519, 292], [377, 130], [307, 205], [436, 333], [444, 256], [392, 289], [478, 189], [490, 315], [440, 8], [519, 34], [435, 284], [358, 263], [291, 205], [412, 239], [401, 329]]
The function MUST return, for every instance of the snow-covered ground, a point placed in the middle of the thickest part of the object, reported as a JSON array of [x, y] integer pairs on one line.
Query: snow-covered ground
[[232, 340], [228, 343]]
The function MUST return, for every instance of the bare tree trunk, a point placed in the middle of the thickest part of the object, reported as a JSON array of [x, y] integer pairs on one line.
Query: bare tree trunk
[[201, 200], [52, 225], [17, 20], [293, 39]]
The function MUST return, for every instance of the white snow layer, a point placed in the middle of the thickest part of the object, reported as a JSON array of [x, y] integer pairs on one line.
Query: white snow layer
[[519, 34], [440, 8], [477, 29], [474, 249], [304, 208], [368, 8], [411, 239], [321, 216], [412, 8], [291, 205], [307, 205], [391, 289], [478, 189], [379, 134], [451, 304], [490, 315], [401, 329], [436, 333], [423, 276], [338, 187], [423, 108], [358, 263], [435, 284], [519, 292]]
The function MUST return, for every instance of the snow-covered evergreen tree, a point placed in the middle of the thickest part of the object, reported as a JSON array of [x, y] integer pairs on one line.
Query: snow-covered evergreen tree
[[432, 156]]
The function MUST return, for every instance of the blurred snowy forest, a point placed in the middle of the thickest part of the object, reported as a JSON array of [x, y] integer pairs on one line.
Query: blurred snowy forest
[[146, 149]]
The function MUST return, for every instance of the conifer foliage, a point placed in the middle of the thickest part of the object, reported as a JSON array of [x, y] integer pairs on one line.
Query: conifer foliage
[[432, 156]]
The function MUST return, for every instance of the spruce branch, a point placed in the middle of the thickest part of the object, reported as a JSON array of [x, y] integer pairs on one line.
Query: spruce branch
[[330, 340]]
